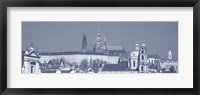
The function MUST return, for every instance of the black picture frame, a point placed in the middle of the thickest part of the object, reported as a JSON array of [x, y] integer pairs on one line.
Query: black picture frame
[[99, 3]]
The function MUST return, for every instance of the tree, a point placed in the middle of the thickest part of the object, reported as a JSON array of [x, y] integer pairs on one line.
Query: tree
[[151, 66], [66, 64], [50, 65], [97, 64], [154, 66], [84, 65], [163, 70], [73, 65], [96, 67], [172, 68], [91, 63]]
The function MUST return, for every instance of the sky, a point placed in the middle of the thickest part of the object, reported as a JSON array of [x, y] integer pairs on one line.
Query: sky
[[159, 37]]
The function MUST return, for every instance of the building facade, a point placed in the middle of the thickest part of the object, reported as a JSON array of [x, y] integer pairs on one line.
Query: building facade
[[31, 61], [138, 59]]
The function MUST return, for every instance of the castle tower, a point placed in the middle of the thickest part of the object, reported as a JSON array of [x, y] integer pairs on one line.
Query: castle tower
[[143, 66], [84, 44], [98, 44]]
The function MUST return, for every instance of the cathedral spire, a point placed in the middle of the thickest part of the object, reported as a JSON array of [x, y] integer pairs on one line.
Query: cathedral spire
[[98, 28], [104, 43], [84, 43], [98, 31]]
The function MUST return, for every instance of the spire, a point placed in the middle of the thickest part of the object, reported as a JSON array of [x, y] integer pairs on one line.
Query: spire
[[32, 44], [137, 46], [36, 50], [104, 42], [170, 55], [32, 47], [143, 47], [26, 51], [84, 43], [26, 48], [98, 28], [98, 31], [143, 44]]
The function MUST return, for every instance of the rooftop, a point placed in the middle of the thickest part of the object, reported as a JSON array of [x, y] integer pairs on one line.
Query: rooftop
[[153, 56], [70, 53], [115, 67]]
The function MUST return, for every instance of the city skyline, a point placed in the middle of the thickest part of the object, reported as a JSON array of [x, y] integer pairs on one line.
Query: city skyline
[[160, 37]]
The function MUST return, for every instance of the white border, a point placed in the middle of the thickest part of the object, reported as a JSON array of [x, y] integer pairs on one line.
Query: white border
[[184, 79]]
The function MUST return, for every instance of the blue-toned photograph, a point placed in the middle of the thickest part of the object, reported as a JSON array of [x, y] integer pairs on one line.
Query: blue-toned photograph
[[99, 47]]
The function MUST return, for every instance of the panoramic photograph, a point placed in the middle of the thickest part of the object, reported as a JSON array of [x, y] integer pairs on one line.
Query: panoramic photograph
[[99, 47]]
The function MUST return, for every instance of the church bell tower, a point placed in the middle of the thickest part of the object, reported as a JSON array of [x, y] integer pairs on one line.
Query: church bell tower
[[143, 66]]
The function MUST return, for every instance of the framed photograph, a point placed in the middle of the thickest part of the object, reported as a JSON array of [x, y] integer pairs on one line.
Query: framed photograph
[[92, 46]]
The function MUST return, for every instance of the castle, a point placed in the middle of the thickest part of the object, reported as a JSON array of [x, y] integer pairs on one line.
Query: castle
[[109, 58], [100, 46], [34, 61]]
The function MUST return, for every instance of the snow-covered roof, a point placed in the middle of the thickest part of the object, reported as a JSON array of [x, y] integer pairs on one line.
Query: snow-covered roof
[[115, 67], [32, 54]]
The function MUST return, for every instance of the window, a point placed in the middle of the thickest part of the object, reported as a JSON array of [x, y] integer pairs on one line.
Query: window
[[142, 68], [133, 63], [142, 57], [33, 63], [31, 69]]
